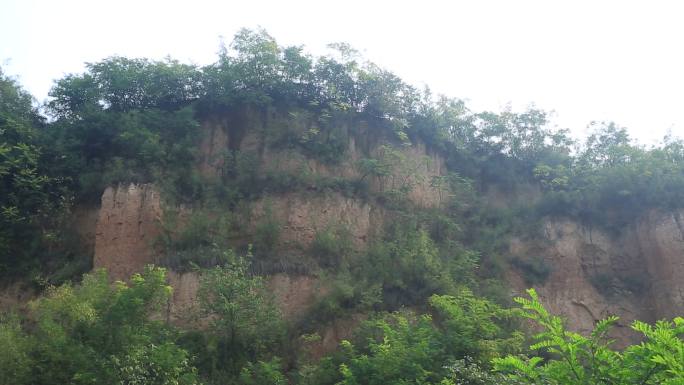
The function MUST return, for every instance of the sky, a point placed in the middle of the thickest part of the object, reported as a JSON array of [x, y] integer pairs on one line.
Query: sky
[[599, 60]]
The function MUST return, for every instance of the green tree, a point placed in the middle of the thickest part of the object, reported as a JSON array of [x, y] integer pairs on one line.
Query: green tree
[[15, 358], [401, 348], [472, 326], [122, 84], [452, 345], [263, 373], [246, 326], [31, 198], [102, 333], [583, 360]]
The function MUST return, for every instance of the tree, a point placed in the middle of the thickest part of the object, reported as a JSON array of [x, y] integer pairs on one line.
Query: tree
[[30, 197], [15, 359], [401, 348], [102, 333], [246, 326], [122, 84], [127, 120], [452, 345], [472, 326], [574, 359]]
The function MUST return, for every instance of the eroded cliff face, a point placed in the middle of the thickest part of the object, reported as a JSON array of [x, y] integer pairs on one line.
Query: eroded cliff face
[[127, 228], [301, 216], [638, 274], [247, 131], [128, 223], [661, 238], [635, 275], [294, 295]]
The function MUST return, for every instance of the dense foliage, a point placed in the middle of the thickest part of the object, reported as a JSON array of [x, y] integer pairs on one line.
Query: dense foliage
[[31, 195], [96, 333], [576, 359], [246, 325]]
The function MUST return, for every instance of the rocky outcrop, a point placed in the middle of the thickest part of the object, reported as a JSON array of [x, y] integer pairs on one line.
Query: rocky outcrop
[[413, 168], [251, 133], [299, 217], [295, 294], [637, 274], [183, 307], [128, 225], [661, 238], [127, 228]]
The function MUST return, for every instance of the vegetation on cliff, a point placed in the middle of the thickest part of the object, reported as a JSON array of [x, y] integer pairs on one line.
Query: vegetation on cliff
[[429, 282]]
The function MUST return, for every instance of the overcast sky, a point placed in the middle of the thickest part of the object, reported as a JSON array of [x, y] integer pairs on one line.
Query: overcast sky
[[586, 60]]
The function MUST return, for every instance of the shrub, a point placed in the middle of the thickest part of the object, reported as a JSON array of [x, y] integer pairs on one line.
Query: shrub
[[535, 270], [195, 240], [96, 332], [573, 359], [266, 233], [246, 326], [331, 245]]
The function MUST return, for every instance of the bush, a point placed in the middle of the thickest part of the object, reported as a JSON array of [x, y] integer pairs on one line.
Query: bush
[[344, 295], [263, 373], [266, 233], [15, 359], [246, 326], [96, 332], [195, 240], [404, 347], [535, 270], [331, 245], [573, 359]]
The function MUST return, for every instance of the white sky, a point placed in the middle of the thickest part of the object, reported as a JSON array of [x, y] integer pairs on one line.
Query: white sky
[[585, 60]]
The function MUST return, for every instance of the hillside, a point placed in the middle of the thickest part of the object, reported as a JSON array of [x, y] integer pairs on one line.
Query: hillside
[[275, 217]]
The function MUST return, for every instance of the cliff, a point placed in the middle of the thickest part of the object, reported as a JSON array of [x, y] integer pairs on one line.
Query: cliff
[[127, 227], [636, 274], [132, 217]]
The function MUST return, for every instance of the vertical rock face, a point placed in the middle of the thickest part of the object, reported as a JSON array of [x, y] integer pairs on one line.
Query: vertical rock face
[[129, 218], [638, 274], [422, 166], [213, 147], [661, 238], [579, 258], [294, 294], [248, 131], [300, 218], [127, 227], [183, 307]]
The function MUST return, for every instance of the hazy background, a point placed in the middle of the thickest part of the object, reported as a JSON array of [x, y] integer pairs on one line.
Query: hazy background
[[585, 60]]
